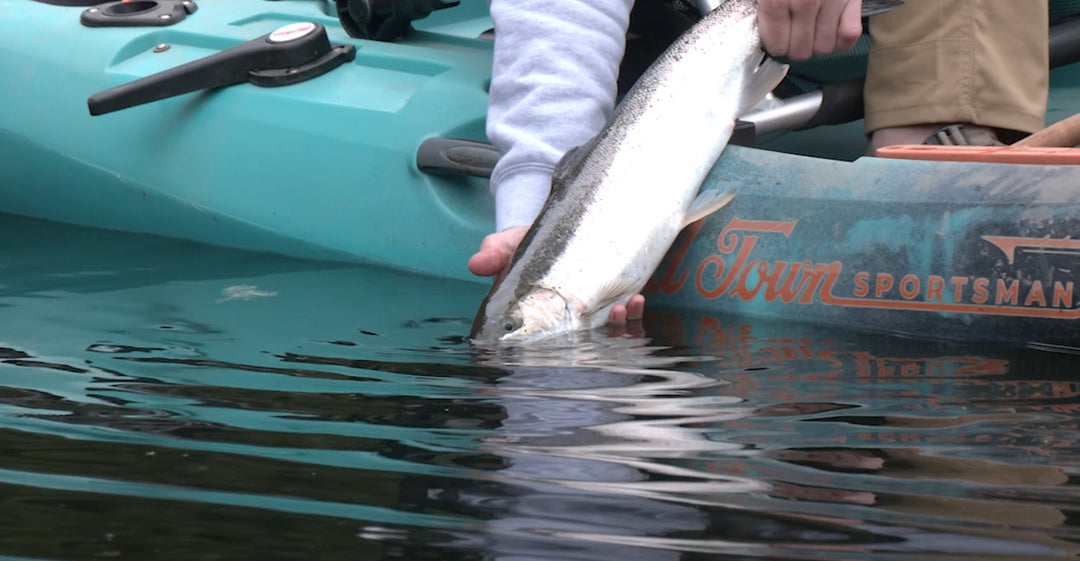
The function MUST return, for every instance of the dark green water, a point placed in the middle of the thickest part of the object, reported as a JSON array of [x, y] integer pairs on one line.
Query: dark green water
[[162, 400]]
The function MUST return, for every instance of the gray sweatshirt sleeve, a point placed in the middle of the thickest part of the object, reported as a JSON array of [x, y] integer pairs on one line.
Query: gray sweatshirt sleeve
[[553, 87]]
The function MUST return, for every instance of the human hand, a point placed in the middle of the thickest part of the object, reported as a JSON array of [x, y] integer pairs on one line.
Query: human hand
[[496, 251], [799, 29]]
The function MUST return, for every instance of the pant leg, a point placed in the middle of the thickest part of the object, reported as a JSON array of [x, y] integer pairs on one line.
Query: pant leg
[[983, 62]]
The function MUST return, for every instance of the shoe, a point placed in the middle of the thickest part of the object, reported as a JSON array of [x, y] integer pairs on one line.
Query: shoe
[[964, 135]]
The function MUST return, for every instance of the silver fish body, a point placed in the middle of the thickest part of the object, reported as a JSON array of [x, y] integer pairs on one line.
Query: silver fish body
[[618, 202]]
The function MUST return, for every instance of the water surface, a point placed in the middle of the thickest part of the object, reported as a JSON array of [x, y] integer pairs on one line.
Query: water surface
[[165, 400]]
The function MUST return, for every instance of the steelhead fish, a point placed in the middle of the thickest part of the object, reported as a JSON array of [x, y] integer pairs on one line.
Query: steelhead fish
[[618, 202]]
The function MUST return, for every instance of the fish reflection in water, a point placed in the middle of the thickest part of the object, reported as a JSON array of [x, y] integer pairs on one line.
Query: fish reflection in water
[[586, 463], [762, 450]]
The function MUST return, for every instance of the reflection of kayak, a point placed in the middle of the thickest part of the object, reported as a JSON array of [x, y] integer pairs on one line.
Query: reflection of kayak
[[327, 168]]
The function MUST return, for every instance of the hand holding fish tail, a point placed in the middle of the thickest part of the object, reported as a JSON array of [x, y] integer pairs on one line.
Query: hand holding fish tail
[[496, 251], [799, 29]]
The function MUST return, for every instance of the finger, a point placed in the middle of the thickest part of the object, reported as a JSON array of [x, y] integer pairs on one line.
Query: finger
[[495, 252], [635, 329], [827, 27], [774, 26], [850, 29], [635, 307], [804, 18], [626, 320], [488, 261], [617, 330]]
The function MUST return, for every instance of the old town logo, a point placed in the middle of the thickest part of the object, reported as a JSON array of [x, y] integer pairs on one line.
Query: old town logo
[[734, 271]]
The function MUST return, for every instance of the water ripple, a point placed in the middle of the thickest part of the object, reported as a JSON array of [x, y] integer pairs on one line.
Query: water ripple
[[155, 410]]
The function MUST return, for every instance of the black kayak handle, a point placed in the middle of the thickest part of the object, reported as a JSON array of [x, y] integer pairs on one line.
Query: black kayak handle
[[457, 156], [291, 54]]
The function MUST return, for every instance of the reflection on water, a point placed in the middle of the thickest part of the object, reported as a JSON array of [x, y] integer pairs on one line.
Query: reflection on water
[[161, 400]]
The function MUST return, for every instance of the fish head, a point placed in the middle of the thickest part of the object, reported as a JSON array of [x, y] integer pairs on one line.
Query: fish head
[[539, 314]]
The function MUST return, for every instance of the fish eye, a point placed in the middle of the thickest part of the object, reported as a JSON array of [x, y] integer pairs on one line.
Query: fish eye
[[511, 325]]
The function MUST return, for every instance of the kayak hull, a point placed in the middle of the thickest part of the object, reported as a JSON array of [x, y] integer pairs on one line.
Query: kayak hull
[[326, 169], [947, 250]]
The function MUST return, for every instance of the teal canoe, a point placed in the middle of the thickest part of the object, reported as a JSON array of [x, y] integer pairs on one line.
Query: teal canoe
[[352, 163]]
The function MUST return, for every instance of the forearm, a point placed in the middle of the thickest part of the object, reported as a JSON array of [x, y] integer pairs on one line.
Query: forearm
[[553, 87]]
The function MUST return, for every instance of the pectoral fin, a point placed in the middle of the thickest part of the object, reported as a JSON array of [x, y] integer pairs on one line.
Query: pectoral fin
[[614, 292], [706, 203], [764, 80]]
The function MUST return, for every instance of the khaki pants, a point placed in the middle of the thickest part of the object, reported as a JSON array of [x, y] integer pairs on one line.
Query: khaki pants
[[983, 62]]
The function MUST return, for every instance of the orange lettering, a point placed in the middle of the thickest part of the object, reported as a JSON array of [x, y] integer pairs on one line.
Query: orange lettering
[[959, 283], [669, 283], [1036, 295], [1007, 295], [862, 288], [981, 293], [934, 286], [1063, 295], [741, 290], [884, 284], [909, 287], [700, 286], [740, 259], [786, 291], [821, 272]]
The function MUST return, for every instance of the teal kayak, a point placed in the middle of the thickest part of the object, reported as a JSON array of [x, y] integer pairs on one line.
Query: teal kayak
[[321, 169], [372, 152]]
